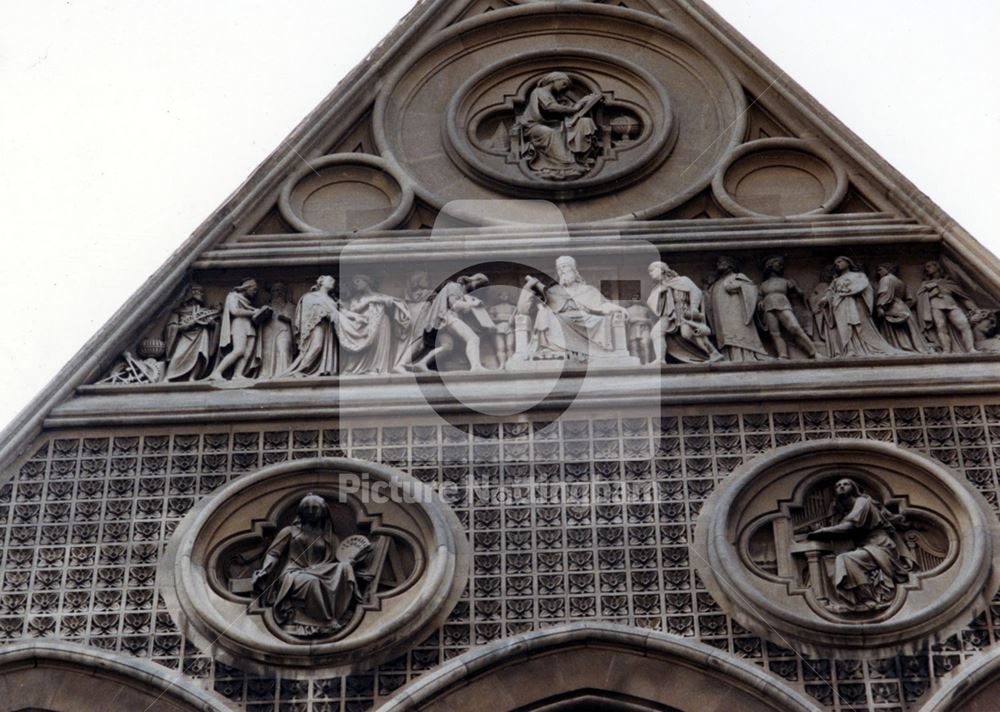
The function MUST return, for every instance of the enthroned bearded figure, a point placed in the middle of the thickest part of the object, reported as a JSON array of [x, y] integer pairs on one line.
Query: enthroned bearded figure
[[572, 319]]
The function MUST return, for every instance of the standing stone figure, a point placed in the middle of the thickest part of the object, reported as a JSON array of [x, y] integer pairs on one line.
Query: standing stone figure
[[899, 324], [321, 326], [503, 313], [732, 308], [310, 587], [866, 575], [444, 322], [376, 350], [238, 338], [941, 309], [557, 135], [640, 325], [851, 303], [680, 329], [277, 338], [822, 320], [190, 337], [417, 296], [776, 309]]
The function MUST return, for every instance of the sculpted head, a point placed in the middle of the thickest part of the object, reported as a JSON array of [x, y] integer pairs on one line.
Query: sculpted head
[[556, 81], [846, 487], [474, 282], [195, 293], [312, 509], [983, 321], [726, 264], [932, 268], [887, 268], [845, 264], [324, 283], [567, 272], [659, 271], [361, 282], [774, 265], [249, 287], [279, 292]]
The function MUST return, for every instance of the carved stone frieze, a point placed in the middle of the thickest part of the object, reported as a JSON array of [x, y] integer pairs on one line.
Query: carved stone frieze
[[848, 547], [325, 565]]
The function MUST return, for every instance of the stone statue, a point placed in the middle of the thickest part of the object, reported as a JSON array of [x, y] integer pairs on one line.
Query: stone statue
[[320, 327], [775, 306], [131, 369], [875, 562], [503, 313], [277, 337], [417, 295], [984, 330], [821, 323], [238, 337], [572, 319], [941, 309], [850, 301], [899, 324], [190, 337], [454, 314], [732, 308], [558, 135], [680, 330], [375, 351], [640, 324], [308, 576]]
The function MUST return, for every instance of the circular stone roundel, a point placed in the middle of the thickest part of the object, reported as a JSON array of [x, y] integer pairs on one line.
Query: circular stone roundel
[[779, 177], [344, 193], [490, 133], [848, 547], [569, 102], [322, 566]]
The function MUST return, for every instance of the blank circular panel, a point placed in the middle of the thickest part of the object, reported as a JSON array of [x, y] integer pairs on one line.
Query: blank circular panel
[[779, 178], [345, 193]]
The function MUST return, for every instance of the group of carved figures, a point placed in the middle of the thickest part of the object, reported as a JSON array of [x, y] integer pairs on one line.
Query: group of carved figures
[[731, 319], [845, 315]]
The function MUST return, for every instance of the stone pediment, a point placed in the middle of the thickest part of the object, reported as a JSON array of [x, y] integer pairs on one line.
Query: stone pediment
[[658, 134]]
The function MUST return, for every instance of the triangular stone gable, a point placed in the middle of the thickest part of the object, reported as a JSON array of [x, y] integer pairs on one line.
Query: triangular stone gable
[[253, 230]]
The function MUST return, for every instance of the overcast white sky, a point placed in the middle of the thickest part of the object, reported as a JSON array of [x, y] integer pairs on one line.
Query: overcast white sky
[[123, 124]]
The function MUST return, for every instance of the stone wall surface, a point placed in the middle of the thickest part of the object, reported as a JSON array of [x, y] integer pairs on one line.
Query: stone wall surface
[[84, 520]]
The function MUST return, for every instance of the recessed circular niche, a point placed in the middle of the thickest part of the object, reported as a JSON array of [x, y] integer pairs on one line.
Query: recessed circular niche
[[779, 177], [324, 566], [848, 548], [345, 193], [651, 103]]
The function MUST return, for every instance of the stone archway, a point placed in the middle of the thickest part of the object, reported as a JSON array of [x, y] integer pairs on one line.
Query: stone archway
[[975, 688], [48, 676], [597, 667]]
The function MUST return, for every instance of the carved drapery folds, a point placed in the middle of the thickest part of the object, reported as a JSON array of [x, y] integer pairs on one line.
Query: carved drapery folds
[[325, 565], [851, 311], [848, 548]]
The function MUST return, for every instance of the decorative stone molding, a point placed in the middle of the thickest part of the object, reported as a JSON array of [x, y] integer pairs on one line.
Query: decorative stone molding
[[437, 125], [319, 566], [345, 192], [64, 677], [974, 688], [848, 548], [780, 177], [602, 665]]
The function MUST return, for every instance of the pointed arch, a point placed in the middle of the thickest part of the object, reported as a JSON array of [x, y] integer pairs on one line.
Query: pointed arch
[[598, 666]]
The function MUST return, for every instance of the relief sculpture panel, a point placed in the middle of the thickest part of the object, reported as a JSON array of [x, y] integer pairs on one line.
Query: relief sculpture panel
[[848, 547]]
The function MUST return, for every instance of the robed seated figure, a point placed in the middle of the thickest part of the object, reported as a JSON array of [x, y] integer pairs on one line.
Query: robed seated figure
[[571, 319]]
